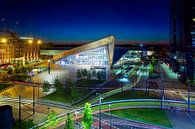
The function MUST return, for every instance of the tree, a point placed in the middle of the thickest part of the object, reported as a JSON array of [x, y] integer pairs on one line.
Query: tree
[[69, 122], [16, 69], [46, 86], [153, 61], [103, 75], [151, 69], [94, 73], [89, 75], [99, 75], [52, 119], [84, 72], [68, 86], [88, 118], [10, 71], [73, 90], [29, 69], [57, 84], [25, 124], [79, 74]]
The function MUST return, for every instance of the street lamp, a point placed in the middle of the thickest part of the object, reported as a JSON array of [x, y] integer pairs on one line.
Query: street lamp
[[188, 84], [161, 88], [3, 40], [30, 41], [39, 42], [110, 116], [49, 66], [100, 113], [76, 113]]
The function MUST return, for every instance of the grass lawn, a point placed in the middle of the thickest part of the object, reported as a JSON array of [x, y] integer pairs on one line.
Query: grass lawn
[[151, 116], [87, 82], [4, 85], [132, 95], [25, 124], [62, 96]]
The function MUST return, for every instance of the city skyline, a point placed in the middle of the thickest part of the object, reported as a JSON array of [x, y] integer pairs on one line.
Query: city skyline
[[83, 20]]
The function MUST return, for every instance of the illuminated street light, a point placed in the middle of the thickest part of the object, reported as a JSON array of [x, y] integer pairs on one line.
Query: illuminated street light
[[100, 112], [30, 41], [193, 19], [39, 41], [3, 40], [49, 66]]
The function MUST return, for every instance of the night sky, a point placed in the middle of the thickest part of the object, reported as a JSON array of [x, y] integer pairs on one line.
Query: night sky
[[86, 20]]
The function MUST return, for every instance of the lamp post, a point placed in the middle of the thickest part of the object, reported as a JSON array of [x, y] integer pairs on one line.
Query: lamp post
[[188, 98], [146, 79], [76, 114], [100, 112], [20, 120], [110, 116], [161, 93], [161, 88], [49, 66], [188, 84]]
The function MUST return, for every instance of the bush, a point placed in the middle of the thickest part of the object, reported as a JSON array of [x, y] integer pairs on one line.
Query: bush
[[46, 86]]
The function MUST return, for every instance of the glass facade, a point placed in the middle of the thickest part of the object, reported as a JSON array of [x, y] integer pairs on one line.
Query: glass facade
[[96, 58]]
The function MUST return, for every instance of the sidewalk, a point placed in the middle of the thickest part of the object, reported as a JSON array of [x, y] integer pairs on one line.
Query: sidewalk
[[123, 123], [181, 120]]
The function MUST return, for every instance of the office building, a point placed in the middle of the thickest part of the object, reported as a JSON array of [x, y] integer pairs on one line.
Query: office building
[[182, 38], [18, 50]]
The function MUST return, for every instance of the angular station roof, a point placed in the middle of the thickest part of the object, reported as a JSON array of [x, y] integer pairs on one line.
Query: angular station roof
[[109, 42]]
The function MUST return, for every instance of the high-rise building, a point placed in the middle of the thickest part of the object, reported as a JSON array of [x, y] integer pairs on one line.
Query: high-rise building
[[182, 38]]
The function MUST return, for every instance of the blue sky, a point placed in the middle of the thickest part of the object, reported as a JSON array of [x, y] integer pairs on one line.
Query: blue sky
[[86, 20]]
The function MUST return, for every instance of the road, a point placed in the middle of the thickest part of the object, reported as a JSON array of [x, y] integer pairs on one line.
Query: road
[[182, 120], [124, 105], [121, 123], [126, 87]]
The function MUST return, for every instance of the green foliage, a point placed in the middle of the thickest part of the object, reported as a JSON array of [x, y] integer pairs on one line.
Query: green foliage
[[79, 75], [84, 72], [89, 75], [25, 124], [94, 74], [189, 81], [73, 90], [52, 121], [69, 122], [68, 86], [99, 75], [10, 71], [88, 118], [58, 85], [153, 60], [151, 69], [103, 75], [46, 86]]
